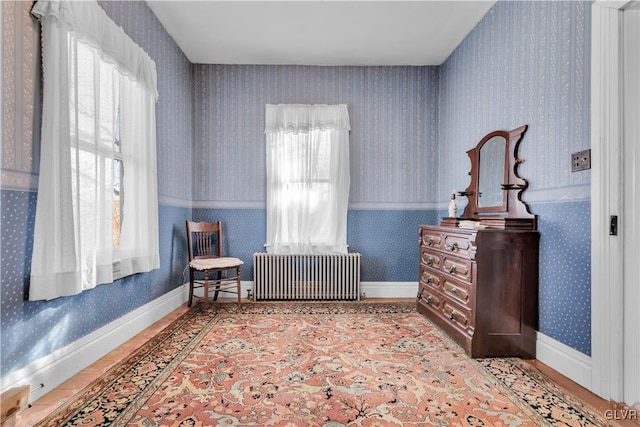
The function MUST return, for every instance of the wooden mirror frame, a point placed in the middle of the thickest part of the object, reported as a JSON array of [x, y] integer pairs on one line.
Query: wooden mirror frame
[[479, 169], [513, 212]]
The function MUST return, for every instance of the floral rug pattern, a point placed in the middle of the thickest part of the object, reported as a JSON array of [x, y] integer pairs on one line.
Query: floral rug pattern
[[552, 402], [314, 364]]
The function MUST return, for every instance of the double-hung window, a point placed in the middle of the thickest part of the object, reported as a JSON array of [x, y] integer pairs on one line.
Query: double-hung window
[[97, 146], [307, 178], [96, 156]]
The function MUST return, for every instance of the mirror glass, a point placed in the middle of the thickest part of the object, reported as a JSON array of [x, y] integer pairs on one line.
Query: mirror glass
[[491, 159]]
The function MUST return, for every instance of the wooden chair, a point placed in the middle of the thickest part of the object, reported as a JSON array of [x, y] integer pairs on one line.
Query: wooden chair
[[204, 240]]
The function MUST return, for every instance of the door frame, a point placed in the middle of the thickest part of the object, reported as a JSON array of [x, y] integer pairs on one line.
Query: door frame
[[631, 205], [608, 317]]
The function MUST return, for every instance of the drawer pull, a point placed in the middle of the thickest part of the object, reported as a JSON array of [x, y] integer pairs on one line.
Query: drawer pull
[[428, 300], [453, 247], [452, 269], [453, 317], [429, 279], [457, 292], [430, 260], [430, 241]]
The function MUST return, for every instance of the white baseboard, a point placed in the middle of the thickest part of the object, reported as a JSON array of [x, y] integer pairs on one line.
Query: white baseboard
[[50, 371], [389, 289], [370, 289], [569, 362]]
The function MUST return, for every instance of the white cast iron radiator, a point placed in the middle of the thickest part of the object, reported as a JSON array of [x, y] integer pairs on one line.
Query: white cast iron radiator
[[306, 277]]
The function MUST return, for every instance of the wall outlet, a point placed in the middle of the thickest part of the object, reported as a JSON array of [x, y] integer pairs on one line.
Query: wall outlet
[[581, 160]]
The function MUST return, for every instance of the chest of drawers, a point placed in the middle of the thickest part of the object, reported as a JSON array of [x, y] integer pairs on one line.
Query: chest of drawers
[[481, 288]]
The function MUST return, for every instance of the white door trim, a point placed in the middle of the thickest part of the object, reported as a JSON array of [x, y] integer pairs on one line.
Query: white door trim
[[606, 250], [611, 349], [631, 204]]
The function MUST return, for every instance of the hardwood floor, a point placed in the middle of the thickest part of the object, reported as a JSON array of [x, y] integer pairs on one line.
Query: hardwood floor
[[52, 400], [618, 413]]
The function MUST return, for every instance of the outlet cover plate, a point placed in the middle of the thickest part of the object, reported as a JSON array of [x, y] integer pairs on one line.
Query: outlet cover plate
[[581, 160]]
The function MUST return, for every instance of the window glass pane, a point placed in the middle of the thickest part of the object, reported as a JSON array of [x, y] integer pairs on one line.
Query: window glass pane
[[84, 203], [307, 157], [118, 187], [118, 201], [98, 153], [96, 98], [116, 136], [85, 96], [109, 94], [322, 155]]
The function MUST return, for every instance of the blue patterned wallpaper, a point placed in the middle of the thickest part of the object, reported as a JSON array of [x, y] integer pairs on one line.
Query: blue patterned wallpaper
[[565, 272], [34, 329], [21, 92], [393, 135], [21, 76], [387, 239], [529, 63], [30, 330], [393, 128], [526, 62]]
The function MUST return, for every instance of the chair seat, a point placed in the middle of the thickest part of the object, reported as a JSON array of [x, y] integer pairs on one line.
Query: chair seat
[[204, 244], [213, 263]]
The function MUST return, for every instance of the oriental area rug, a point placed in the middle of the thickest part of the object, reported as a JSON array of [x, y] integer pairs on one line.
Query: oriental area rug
[[316, 364]]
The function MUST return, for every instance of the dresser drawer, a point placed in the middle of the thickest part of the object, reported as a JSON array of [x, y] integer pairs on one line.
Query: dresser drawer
[[460, 292], [430, 238], [451, 313], [429, 298], [459, 244], [457, 267], [431, 258], [458, 316], [430, 278]]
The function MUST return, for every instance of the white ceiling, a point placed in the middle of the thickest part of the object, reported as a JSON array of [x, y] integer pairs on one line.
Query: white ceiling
[[308, 32]]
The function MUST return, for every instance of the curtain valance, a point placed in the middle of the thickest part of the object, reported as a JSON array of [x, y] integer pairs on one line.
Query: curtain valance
[[90, 23], [295, 118]]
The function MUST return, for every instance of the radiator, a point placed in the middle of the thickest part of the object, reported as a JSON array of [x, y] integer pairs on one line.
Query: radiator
[[306, 277]]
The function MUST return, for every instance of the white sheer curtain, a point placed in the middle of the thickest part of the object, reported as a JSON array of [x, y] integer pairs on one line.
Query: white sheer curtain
[[307, 178], [97, 209]]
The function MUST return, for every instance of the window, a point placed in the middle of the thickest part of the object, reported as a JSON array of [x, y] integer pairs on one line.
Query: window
[[104, 118], [308, 178], [98, 122], [97, 157]]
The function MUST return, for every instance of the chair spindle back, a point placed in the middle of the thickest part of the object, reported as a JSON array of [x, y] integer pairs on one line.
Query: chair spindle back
[[204, 240]]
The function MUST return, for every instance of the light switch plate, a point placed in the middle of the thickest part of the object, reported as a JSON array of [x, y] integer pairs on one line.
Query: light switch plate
[[581, 160]]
